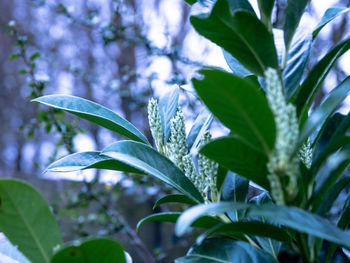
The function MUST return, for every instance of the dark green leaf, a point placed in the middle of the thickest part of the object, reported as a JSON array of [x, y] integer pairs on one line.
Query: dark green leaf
[[34, 56], [325, 110], [222, 250], [265, 7], [317, 74], [294, 12], [241, 34], [298, 57], [328, 16], [144, 158], [240, 106], [87, 160], [190, 2], [200, 125], [240, 158], [100, 250], [174, 198], [95, 113], [240, 5], [167, 110], [292, 217], [171, 217], [26, 220]]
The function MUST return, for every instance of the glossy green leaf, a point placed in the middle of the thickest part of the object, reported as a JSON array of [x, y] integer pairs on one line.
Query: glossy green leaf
[[332, 194], [174, 198], [223, 250], [235, 66], [200, 125], [265, 7], [171, 217], [167, 110], [26, 220], [292, 217], [313, 82], [239, 105], [325, 110], [298, 57], [88, 160], [238, 157], [294, 12], [95, 113], [100, 250], [240, 5], [190, 2], [241, 34], [144, 158], [328, 16]]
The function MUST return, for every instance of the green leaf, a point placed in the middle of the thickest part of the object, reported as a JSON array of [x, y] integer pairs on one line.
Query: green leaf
[[328, 16], [95, 113], [241, 34], [265, 7], [325, 110], [239, 105], [294, 12], [292, 217], [88, 160], [144, 158], [223, 250], [26, 220], [174, 198], [235, 66], [200, 125], [171, 217], [190, 2], [238, 157], [332, 194], [167, 110], [240, 5], [310, 86], [298, 57], [100, 250]]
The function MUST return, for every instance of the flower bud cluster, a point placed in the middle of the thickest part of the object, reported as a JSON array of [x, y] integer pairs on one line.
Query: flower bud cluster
[[155, 123], [305, 154]]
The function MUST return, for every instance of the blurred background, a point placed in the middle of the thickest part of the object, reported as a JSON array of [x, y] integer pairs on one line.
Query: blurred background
[[118, 53]]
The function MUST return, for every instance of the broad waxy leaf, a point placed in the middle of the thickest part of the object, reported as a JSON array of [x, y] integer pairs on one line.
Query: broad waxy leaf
[[174, 198], [294, 12], [325, 110], [240, 106], [292, 217], [26, 220], [241, 34], [238, 157], [298, 57], [100, 250], [310, 86], [171, 217], [144, 158], [167, 110], [328, 16], [95, 113], [235, 66], [222, 250], [87, 160]]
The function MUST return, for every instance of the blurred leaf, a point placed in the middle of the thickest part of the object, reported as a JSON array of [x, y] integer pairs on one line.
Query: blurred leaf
[[298, 57], [235, 66], [265, 7], [167, 110], [171, 217], [95, 113], [225, 251], [96, 250], [174, 198], [312, 83], [88, 160], [238, 157], [237, 32], [320, 116], [240, 106], [201, 124], [328, 16], [34, 56], [292, 217], [146, 159], [14, 56], [294, 12], [26, 220]]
